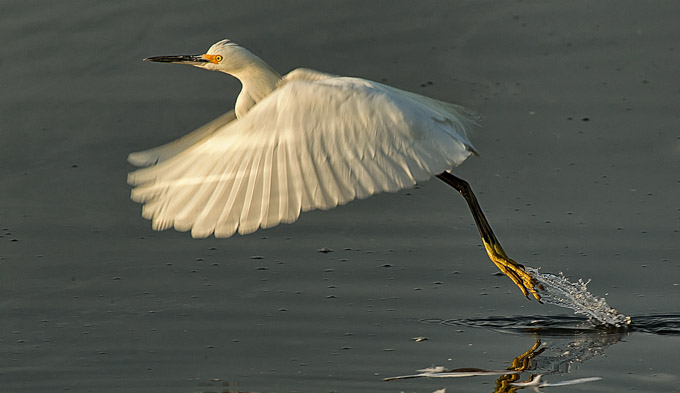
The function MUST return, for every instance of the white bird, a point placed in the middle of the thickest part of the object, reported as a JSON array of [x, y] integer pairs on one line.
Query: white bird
[[307, 140]]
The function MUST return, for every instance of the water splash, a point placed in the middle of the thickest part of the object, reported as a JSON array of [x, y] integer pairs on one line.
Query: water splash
[[559, 291]]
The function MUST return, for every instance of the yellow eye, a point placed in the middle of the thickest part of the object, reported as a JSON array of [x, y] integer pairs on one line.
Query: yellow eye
[[212, 58]]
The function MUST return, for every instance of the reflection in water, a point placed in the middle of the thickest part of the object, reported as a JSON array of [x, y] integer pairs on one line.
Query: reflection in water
[[441, 372], [540, 359], [562, 343], [520, 363], [554, 358], [509, 379], [537, 382]]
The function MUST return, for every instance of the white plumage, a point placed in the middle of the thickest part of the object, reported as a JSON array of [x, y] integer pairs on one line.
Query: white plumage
[[306, 141]]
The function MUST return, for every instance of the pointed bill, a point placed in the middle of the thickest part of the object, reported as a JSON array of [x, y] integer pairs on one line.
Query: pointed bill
[[180, 59]]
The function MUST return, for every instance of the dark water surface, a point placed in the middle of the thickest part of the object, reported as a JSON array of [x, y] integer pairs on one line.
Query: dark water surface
[[579, 172]]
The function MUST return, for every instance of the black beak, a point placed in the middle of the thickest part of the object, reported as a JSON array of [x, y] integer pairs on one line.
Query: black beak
[[181, 59]]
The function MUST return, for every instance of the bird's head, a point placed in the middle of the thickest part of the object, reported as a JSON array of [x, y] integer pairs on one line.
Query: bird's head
[[224, 56]]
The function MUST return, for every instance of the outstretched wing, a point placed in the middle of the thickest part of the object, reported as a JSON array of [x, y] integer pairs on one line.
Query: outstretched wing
[[308, 145]]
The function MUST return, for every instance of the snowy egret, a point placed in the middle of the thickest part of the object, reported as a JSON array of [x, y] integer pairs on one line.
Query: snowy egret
[[307, 140]]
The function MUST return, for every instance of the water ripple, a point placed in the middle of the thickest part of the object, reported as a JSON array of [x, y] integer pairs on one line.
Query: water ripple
[[663, 324]]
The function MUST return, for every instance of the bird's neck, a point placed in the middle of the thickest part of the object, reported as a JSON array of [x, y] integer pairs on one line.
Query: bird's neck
[[258, 80]]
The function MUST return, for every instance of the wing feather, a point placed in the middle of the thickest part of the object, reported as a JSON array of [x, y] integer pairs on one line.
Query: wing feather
[[269, 188], [222, 199], [294, 186], [253, 192], [315, 142], [228, 221], [281, 191]]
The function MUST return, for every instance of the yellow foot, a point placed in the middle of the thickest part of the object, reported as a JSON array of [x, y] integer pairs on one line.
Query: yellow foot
[[514, 270]]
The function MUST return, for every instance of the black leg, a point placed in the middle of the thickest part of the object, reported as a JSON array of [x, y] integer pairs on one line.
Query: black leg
[[493, 247]]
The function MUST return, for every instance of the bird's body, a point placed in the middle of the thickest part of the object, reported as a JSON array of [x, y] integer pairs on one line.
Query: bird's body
[[308, 140]]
